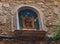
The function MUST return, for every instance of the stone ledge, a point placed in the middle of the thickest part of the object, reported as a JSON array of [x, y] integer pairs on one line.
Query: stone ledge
[[31, 35]]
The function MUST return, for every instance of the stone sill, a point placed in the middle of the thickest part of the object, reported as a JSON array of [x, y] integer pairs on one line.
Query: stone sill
[[30, 35]]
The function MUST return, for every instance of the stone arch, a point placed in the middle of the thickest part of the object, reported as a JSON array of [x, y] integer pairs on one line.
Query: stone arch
[[35, 16], [40, 14]]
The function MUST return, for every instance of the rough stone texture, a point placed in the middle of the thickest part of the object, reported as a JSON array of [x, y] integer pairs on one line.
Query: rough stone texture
[[21, 42], [50, 8]]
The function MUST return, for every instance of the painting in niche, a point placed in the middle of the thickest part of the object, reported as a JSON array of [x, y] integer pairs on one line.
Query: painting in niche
[[28, 19], [28, 22]]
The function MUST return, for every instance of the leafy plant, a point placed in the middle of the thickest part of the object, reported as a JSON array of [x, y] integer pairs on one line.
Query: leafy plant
[[53, 42], [57, 36]]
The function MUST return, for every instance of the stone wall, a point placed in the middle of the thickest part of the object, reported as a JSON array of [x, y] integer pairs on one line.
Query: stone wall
[[21, 42], [50, 9]]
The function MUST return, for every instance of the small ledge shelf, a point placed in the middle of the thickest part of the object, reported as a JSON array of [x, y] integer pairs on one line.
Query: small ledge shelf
[[31, 35]]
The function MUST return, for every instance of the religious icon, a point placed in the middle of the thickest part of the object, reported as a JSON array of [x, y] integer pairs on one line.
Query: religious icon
[[28, 22], [28, 19]]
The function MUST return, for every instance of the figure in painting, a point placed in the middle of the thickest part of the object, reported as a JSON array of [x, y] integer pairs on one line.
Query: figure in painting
[[28, 22]]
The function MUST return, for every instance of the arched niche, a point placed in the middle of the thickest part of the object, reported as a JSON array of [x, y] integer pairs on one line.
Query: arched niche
[[28, 18], [38, 11]]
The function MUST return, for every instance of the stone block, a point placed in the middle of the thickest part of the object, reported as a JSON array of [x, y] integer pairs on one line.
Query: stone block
[[57, 11], [6, 5], [3, 19], [3, 0], [0, 5]]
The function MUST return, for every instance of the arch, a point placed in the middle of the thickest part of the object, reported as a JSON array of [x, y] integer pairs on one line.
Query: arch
[[28, 7], [29, 13], [40, 14]]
